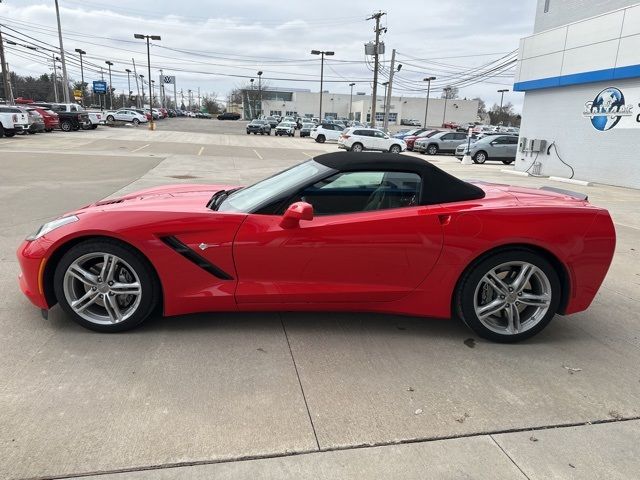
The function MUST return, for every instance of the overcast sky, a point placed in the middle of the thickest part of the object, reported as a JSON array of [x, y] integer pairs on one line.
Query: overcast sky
[[204, 42]]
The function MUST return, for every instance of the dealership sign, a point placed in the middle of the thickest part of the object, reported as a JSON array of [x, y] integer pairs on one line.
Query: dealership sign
[[611, 109]]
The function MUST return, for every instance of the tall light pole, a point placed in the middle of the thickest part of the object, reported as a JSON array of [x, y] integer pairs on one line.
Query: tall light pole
[[351, 101], [426, 110], [129, 83], [81, 52], [260, 89], [252, 103], [142, 82], [152, 89], [65, 80], [152, 125], [110, 63], [322, 53], [446, 91], [501, 92], [384, 107]]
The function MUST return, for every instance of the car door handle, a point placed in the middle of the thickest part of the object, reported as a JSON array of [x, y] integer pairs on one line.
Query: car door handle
[[444, 219]]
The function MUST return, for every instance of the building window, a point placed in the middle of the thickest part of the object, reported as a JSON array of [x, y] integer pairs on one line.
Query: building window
[[276, 112], [546, 5]]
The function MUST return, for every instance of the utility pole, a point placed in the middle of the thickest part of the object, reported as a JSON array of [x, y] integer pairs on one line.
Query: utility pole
[[135, 75], [81, 52], [65, 80], [351, 101], [388, 92], [142, 83], [199, 104], [128, 83], [426, 110], [161, 88], [6, 80], [376, 17], [175, 94], [55, 78], [446, 91], [110, 63], [189, 98], [384, 103]]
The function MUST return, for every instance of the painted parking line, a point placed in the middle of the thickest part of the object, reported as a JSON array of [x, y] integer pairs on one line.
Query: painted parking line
[[200, 151], [305, 153], [140, 148], [259, 156]]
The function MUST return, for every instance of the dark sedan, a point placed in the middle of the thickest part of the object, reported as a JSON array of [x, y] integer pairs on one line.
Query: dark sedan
[[261, 127]]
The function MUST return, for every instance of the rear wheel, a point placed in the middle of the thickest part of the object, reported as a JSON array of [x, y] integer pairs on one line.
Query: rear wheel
[[432, 149], [9, 134], [395, 149], [508, 296], [136, 122], [1, 131], [105, 286], [110, 118], [320, 139], [507, 162], [357, 147], [480, 157], [66, 126]]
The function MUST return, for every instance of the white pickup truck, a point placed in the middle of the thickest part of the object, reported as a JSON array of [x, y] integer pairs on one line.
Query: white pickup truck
[[12, 121]]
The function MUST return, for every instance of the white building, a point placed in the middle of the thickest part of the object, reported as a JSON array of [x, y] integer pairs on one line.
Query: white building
[[304, 103], [581, 74]]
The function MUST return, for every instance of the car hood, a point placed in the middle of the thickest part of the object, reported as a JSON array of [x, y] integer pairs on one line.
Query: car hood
[[183, 197]]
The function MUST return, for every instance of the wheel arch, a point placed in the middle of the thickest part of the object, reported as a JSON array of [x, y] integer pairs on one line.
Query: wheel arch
[[56, 256], [558, 265]]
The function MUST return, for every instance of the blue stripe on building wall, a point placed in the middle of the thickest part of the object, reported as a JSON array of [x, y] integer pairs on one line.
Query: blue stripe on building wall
[[618, 73]]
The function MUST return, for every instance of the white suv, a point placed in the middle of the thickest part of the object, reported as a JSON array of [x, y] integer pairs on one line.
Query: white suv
[[357, 139], [327, 131]]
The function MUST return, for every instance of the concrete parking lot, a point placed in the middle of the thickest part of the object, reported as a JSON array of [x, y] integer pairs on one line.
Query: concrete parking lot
[[297, 395]]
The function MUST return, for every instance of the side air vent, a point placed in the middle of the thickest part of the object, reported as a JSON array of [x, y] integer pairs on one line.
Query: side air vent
[[193, 257], [109, 202]]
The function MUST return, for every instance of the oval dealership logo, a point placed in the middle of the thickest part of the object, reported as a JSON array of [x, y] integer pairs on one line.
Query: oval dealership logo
[[606, 110]]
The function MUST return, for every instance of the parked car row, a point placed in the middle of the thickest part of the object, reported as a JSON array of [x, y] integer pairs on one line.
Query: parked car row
[[36, 117]]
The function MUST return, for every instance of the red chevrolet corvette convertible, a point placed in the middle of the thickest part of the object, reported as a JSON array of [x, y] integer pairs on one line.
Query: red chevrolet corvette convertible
[[369, 232]]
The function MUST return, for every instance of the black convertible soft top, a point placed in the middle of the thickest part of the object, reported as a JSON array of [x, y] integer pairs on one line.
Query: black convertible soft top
[[438, 185]]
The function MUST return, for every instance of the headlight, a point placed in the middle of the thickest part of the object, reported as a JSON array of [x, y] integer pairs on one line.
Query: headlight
[[52, 225]]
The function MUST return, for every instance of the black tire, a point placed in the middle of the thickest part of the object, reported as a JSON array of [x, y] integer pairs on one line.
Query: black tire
[[76, 128], [466, 290], [9, 134], [248, 133], [32, 132], [480, 157], [136, 122], [261, 133], [1, 131], [48, 130], [321, 139], [150, 296], [432, 149], [357, 147], [395, 149], [507, 162], [66, 126], [110, 118], [93, 127]]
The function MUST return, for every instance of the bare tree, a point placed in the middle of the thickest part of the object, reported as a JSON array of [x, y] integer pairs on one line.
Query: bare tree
[[450, 92]]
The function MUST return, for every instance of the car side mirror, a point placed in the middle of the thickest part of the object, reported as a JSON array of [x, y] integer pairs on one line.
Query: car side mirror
[[296, 212], [386, 137]]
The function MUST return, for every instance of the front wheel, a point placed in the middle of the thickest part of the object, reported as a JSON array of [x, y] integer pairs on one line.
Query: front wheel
[[105, 286], [432, 149], [66, 126], [507, 162], [395, 149], [136, 122], [480, 157], [110, 118], [357, 147], [320, 139], [509, 296]]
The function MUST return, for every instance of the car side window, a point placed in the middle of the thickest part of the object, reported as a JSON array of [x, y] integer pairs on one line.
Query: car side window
[[500, 140], [512, 140], [448, 136], [461, 136], [378, 134], [362, 191]]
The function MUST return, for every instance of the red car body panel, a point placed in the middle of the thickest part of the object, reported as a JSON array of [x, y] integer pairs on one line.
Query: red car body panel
[[51, 120], [404, 260]]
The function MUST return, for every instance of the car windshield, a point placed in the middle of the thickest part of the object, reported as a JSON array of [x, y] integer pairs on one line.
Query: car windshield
[[257, 122], [247, 199]]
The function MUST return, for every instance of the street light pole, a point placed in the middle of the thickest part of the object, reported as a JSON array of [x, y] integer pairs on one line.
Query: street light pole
[[128, 83], [110, 63], [426, 110], [351, 102], [152, 125], [322, 53], [142, 82], [260, 90], [446, 91], [501, 92], [81, 52]]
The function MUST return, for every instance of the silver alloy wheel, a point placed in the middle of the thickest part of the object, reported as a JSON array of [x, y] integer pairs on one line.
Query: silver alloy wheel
[[481, 157], [432, 150], [356, 148], [395, 149], [512, 298], [102, 288]]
